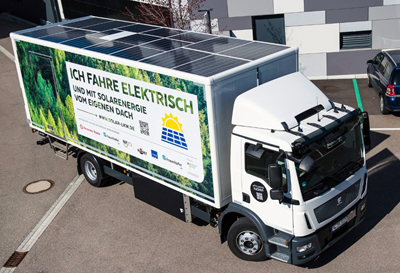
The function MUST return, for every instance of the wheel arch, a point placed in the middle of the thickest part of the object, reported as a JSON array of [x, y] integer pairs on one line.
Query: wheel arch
[[235, 211], [98, 160]]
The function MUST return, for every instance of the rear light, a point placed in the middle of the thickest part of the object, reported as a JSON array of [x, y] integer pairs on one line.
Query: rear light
[[390, 91]]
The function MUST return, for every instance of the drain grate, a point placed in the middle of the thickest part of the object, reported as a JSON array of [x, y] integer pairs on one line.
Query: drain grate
[[38, 186], [15, 259]]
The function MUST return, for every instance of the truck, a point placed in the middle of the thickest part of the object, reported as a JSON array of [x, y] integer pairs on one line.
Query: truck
[[206, 127]]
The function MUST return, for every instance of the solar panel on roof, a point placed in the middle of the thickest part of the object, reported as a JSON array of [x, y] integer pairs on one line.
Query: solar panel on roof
[[47, 31], [252, 51], [164, 32], [166, 44], [67, 35], [108, 47], [87, 22], [138, 28], [211, 65], [218, 44], [136, 53], [176, 57], [83, 42], [137, 39], [198, 53], [107, 26], [192, 37], [89, 40]]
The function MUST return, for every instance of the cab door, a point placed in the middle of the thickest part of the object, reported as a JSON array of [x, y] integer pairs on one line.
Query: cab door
[[256, 189]]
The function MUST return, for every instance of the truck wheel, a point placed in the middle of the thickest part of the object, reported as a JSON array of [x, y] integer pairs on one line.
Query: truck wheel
[[91, 170], [245, 241]]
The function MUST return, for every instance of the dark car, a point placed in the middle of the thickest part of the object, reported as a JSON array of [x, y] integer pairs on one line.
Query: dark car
[[384, 75]]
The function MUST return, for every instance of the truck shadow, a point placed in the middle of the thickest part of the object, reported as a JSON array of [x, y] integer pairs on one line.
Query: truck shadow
[[383, 196]]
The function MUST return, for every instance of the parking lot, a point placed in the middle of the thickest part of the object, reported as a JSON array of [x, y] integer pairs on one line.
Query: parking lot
[[108, 230]]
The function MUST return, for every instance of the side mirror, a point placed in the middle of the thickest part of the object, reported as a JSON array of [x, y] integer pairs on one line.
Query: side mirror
[[369, 62], [366, 130], [306, 164], [275, 176], [276, 194], [275, 181]]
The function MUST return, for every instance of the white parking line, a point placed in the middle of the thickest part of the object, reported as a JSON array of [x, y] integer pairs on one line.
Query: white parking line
[[385, 129], [8, 54], [31, 239]]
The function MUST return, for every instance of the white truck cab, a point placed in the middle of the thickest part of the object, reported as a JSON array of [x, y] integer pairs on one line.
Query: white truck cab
[[298, 171]]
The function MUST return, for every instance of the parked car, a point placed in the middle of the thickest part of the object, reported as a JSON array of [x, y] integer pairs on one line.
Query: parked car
[[384, 75]]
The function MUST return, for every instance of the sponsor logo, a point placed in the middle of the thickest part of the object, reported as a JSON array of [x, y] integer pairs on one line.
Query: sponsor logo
[[90, 130], [191, 166], [141, 151], [172, 161], [110, 137], [154, 154], [258, 191], [339, 201], [172, 132], [127, 143]]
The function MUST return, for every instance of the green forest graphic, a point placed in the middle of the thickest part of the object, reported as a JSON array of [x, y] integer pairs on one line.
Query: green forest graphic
[[45, 79]]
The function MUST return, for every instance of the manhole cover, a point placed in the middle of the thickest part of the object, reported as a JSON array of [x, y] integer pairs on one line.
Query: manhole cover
[[331, 88], [38, 186]]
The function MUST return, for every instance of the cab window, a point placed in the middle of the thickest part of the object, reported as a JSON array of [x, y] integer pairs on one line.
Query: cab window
[[257, 160]]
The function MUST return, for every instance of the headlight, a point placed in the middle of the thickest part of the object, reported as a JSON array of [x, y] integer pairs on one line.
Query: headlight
[[304, 248]]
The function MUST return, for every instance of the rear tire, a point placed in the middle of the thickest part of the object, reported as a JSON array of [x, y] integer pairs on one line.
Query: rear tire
[[245, 241], [369, 82], [92, 170], [382, 107]]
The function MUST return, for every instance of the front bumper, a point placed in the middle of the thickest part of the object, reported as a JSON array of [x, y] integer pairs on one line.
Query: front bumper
[[323, 238]]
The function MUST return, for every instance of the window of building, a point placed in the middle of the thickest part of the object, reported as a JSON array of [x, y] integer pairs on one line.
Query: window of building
[[356, 39], [269, 28]]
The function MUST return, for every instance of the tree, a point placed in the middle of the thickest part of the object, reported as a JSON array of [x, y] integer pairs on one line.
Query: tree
[[182, 14]]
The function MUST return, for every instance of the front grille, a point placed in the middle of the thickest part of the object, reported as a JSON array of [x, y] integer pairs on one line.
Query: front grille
[[337, 203], [325, 235]]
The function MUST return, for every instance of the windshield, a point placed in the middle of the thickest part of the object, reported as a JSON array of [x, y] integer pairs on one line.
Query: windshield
[[337, 156]]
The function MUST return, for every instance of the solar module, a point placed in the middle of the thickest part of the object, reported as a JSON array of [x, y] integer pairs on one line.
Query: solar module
[[197, 53], [137, 39], [176, 57], [136, 53]]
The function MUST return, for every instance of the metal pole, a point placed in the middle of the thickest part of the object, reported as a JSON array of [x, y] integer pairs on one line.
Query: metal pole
[[208, 10]]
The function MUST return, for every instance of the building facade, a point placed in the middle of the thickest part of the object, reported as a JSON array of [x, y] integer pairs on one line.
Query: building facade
[[335, 38]]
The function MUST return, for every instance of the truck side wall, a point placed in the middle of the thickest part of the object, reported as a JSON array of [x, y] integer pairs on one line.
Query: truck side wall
[[56, 91]]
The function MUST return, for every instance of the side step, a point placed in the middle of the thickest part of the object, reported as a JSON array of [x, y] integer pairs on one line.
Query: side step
[[280, 257], [279, 246], [277, 240], [60, 148]]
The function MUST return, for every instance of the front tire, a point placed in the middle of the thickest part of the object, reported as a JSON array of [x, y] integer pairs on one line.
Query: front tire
[[92, 170], [245, 241]]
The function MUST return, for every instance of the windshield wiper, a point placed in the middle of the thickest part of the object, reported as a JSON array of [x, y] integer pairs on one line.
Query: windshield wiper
[[351, 167]]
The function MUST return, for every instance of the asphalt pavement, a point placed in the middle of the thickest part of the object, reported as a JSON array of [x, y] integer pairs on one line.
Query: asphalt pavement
[[108, 230]]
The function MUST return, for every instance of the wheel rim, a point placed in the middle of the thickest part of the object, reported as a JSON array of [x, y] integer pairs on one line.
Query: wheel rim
[[90, 170], [249, 242]]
